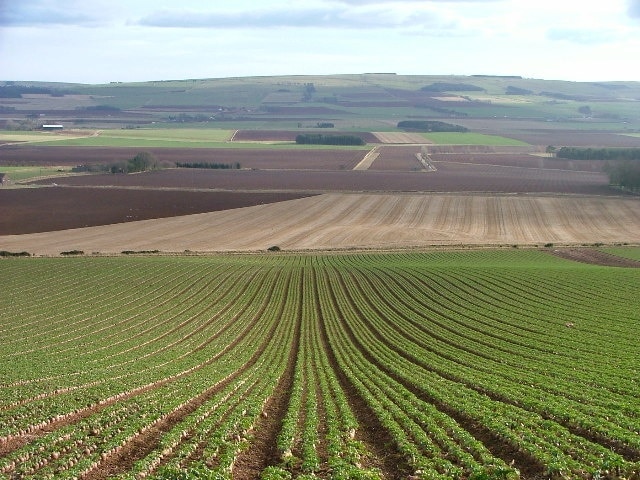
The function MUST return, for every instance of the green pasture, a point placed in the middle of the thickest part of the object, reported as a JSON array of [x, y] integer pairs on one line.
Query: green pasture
[[8, 136], [173, 138], [179, 138], [19, 174], [627, 252], [470, 138], [33, 136]]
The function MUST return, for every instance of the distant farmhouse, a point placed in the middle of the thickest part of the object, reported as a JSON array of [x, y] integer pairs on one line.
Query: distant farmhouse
[[52, 127]]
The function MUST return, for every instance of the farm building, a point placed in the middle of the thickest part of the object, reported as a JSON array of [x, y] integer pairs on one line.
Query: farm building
[[52, 127]]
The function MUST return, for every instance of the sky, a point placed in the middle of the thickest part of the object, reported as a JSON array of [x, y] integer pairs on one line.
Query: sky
[[102, 41]]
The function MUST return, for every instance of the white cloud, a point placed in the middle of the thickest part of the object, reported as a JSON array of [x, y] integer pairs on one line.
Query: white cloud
[[48, 12], [330, 16], [583, 36], [160, 39]]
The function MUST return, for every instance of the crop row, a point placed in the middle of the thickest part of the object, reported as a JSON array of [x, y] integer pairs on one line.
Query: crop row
[[441, 365]]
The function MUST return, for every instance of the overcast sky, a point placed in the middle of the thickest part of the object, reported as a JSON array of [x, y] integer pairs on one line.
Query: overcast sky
[[99, 41]]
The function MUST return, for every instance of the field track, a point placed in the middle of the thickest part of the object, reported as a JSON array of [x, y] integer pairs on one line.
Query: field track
[[510, 364], [338, 221]]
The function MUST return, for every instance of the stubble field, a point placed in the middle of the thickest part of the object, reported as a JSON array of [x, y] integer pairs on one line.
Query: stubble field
[[393, 203]]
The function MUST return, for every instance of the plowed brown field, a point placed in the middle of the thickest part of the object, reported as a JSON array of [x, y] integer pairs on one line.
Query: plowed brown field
[[450, 177], [337, 221], [312, 159], [47, 209]]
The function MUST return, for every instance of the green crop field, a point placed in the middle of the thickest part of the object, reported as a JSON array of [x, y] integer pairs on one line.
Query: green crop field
[[469, 138], [442, 365], [626, 252], [177, 138]]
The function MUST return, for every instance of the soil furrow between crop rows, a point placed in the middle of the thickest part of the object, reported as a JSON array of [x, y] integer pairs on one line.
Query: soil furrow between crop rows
[[527, 465]]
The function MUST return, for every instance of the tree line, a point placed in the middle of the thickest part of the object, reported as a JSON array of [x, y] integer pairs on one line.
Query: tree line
[[145, 161], [578, 153], [142, 162], [430, 126], [622, 164], [320, 139], [215, 166], [624, 173]]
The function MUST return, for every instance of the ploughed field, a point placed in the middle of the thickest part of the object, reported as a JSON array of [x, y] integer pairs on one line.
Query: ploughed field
[[457, 195], [50, 209], [318, 159], [347, 220], [469, 364], [449, 177]]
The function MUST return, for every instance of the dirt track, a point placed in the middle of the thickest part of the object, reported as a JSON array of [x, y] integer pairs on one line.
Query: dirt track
[[339, 221]]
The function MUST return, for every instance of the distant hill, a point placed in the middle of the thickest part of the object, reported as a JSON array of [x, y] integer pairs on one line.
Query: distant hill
[[369, 102]]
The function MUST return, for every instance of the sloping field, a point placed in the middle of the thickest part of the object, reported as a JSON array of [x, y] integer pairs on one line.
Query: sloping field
[[362, 220], [31, 210], [477, 365], [401, 137]]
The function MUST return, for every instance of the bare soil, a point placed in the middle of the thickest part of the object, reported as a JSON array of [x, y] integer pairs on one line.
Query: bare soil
[[348, 220], [595, 257], [31, 210], [450, 177], [312, 159]]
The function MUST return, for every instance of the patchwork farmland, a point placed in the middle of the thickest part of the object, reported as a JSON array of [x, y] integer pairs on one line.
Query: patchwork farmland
[[431, 305]]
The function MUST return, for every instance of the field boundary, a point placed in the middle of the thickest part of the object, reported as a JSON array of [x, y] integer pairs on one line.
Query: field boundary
[[368, 159]]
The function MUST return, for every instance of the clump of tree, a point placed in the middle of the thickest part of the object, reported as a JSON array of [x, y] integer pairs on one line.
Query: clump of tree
[[325, 125], [10, 90], [142, 162], [307, 93], [581, 153], [439, 87], [564, 96], [26, 125], [215, 166], [430, 126], [622, 164], [100, 108], [320, 139], [139, 252], [5, 253], [186, 118], [585, 110], [511, 90], [624, 174]]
